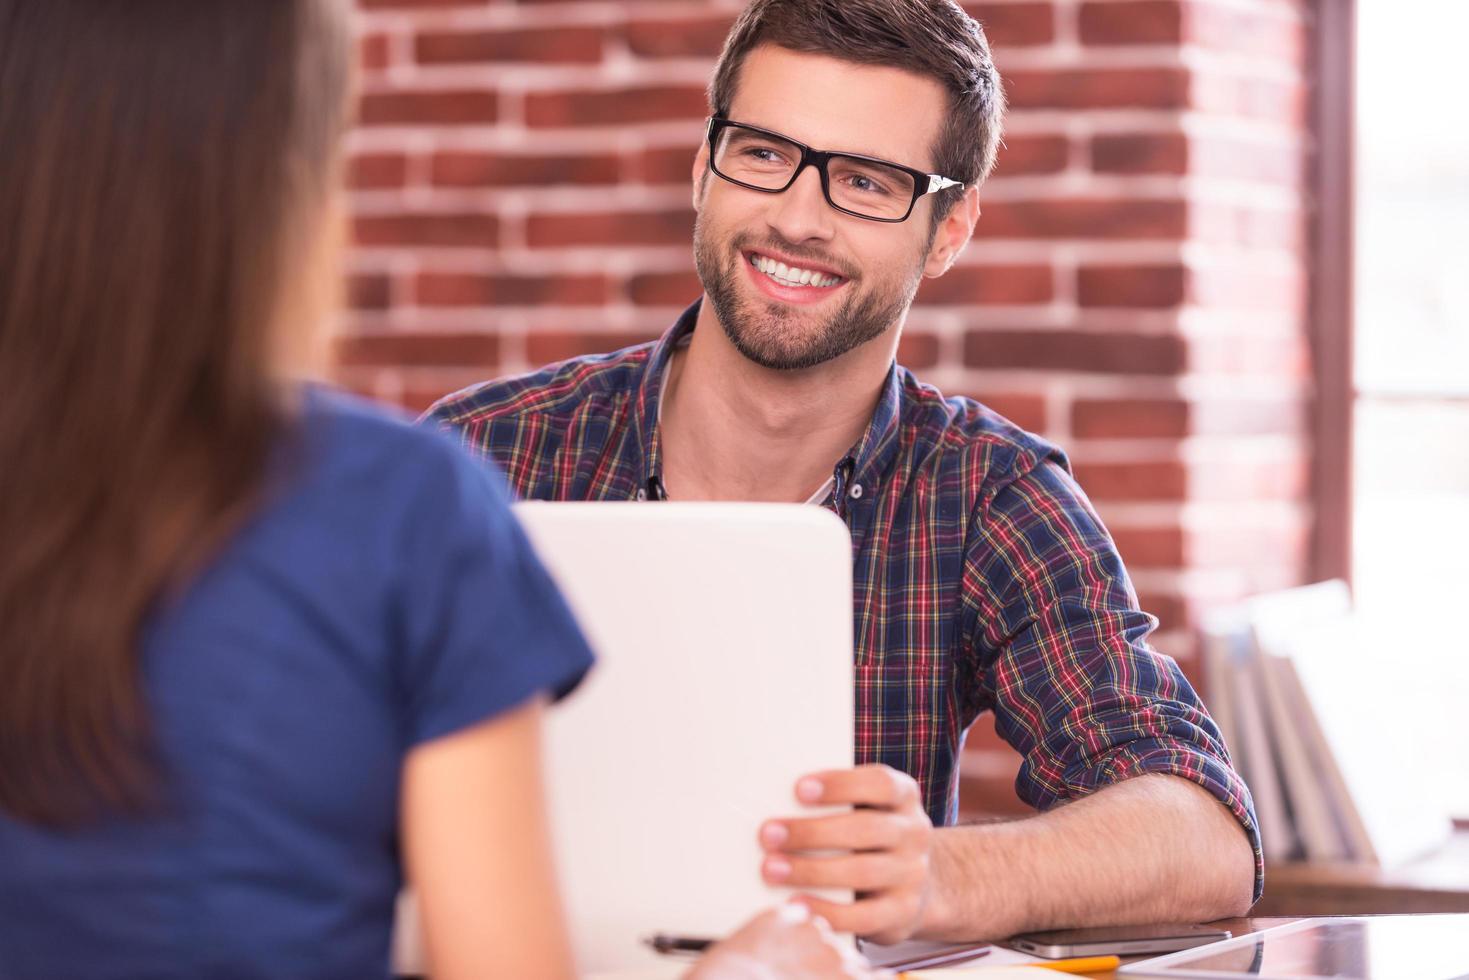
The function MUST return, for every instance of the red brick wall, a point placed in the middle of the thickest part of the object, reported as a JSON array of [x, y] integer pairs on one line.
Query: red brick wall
[[1135, 289]]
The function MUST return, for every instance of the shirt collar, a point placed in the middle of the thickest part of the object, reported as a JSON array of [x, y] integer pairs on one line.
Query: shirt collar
[[645, 412], [873, 454], [865, 463]]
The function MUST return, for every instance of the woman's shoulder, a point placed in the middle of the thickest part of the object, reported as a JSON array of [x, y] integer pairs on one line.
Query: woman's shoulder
[[358, 467], [379, 447], [339, 422]]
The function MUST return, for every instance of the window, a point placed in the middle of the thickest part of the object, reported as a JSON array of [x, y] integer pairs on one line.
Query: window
[[1410, 372]]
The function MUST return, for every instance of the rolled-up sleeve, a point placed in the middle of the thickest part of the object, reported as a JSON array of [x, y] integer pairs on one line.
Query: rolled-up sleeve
[[1062, 651]]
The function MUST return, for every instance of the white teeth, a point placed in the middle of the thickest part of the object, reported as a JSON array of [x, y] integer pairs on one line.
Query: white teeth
[[791, 275]]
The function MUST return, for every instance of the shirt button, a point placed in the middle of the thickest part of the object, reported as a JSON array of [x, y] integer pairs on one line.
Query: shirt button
[[856, 492], [642, 494]]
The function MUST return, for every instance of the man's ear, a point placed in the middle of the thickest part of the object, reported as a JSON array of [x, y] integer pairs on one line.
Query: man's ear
[[953, 234], [700, 172]]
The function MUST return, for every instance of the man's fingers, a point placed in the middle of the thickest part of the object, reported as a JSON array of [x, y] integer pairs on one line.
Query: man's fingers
[[859, 872], [883, 919], [879, 850], [859, 830], [875, 785]]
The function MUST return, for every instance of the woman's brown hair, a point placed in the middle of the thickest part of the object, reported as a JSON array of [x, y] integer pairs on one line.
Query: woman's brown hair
[[160, 164]]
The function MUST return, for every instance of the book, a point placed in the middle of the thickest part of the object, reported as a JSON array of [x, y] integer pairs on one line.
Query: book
[[1381, 777], [1276, 621], [1230, 657]]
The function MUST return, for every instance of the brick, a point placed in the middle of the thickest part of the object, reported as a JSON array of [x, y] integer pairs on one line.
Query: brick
[[1241, 477], [918, 350], [1151, 547], [1217, 222], [376, 171], [369, 291], [427, 229], [1241, 544], [989, 285], [475, 169], [374, 52], [361, 384], [419, 349], [546, 346], [1076, 350], [599, 107], [1140, 153], [1262, 33], [614, 228], [448, 107], [417, 397], [1015, 25], [1026, 410], [983, 739], [1022, 155], [1211, 156], [1104, 218], [1275, 100], [1262, 356], [1214, 480], [442, 289], [1132, 22], [1241, 160], [1269, 415], [990, 797], [394, 4], [663, 165], [1141, 481], [1282, 289], [684, 38], [1173, 611], [1132, 286], [1131, 418], [1099, 88], [665, 289], [1177, 418], [562, 45]]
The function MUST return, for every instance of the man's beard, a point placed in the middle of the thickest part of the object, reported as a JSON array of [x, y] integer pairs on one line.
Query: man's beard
[[769, 333]]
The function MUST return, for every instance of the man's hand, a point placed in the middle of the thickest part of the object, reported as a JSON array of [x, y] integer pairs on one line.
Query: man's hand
[[883, 851]]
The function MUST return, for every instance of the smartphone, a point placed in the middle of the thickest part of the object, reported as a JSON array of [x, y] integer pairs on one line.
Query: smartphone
[[1115, 940]]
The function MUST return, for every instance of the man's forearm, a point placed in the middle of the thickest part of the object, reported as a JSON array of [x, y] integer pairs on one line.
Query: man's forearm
[[1150, 849]]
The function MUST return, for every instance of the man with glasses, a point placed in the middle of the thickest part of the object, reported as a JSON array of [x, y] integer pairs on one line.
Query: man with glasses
[[841, 166]]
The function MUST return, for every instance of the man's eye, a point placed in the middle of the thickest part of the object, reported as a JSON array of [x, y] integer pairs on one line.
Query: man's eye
[[867, 184], [763, 154]]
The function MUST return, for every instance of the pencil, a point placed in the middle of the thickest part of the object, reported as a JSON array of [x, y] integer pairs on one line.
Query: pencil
[[1082, 964], [665, 943]]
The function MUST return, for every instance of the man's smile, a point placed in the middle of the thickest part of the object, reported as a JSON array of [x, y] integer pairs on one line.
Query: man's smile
[[790, 282], [793, 275]]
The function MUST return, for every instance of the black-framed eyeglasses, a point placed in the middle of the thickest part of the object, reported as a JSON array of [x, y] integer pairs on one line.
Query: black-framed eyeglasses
[[863, 186]]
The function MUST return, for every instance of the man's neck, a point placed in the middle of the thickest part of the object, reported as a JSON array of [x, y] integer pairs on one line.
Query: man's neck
[[733, 430]]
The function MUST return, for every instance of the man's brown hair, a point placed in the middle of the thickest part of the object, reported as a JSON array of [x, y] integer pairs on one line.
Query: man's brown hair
[[158, 161], [932, 38]]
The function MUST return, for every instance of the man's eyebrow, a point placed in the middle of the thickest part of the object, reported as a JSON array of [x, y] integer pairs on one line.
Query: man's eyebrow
[[845, 149]]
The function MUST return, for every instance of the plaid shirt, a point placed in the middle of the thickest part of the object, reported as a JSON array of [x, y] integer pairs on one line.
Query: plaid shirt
[[983, 579]]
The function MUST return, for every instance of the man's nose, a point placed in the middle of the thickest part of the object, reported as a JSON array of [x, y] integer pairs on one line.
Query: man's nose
[[801, 213]]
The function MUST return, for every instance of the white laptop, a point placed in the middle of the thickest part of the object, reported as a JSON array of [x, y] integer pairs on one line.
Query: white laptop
[[724, 637]]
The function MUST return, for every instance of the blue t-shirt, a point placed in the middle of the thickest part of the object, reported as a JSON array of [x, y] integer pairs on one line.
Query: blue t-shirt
[[382, 597]]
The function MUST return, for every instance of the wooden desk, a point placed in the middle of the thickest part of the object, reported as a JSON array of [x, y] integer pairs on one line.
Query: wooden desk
[[1436, 883]]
